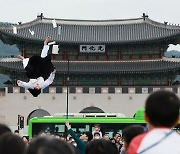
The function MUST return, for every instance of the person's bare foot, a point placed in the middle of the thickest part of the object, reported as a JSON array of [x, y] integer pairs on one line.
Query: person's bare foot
[[47, 40], [20, 57]]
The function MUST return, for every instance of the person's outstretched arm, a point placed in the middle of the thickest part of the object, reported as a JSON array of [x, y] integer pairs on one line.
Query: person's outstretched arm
[[49, 80], [25, 84], [45, 49], [73, 134]]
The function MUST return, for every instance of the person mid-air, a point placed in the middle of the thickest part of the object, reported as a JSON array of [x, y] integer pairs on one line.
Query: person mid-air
[[39, 70]]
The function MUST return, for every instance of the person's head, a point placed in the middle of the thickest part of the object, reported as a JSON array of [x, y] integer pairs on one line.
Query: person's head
[[97, 127], [70, 139], [11, 144], [35, 92], [116, 135], [16, 132], [50, 145], [4, 129], [130, 132], [118, 139], [101, 146], [97, 135], [162, 109], [86, 136], [106, 137], [113, 140], [62, 138], [37, 86], [74, 143], [25, 139]]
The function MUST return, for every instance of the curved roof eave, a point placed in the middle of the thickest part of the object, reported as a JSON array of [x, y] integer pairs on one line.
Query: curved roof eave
[[93, 42], [73, 32], [115, 67], [91, 22]]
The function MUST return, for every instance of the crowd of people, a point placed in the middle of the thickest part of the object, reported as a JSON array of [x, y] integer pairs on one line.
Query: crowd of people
[[161, 114]]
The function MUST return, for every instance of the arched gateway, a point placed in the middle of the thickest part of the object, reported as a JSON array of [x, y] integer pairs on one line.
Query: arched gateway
[[37, 113], [91, 109]]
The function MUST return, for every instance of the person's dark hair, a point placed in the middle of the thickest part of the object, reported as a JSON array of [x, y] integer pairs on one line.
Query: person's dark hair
[[162, 108], [101, 146], [4, 129], [11, 144], [97, 133], [115, 133], [27, 137], [97, 125], [16, 131], [89, 135], [131, 131], [50, 145], [35, 92], [113, 139]]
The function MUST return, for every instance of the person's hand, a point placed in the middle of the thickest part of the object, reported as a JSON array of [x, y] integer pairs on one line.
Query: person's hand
[[47, 40], [19, 83], [68, 125], [54, 71]]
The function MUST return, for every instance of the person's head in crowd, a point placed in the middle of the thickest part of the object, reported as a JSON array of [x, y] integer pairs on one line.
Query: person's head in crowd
[[116, 135], [68, 137], [4, 129], [57, 136], [130, 132], [113, 140], [42, 134], [25, 139], [101, 146], [74, 143], [86, 136], [56, 129], [50, 145], [162, 109], [106, 137], [11, 144], [118, 139], [96, 135], [70, 140], [97, 127], [16, 132], [62, 138]]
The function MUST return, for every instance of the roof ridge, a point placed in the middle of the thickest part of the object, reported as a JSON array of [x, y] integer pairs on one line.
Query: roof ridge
[[162, 25], [22, 25], [93, 22]]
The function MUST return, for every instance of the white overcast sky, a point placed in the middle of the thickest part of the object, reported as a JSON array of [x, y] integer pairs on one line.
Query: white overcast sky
[[27, 10]]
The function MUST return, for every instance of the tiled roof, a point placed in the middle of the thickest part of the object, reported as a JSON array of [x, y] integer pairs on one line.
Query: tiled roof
[[103, 67], [93, 31]]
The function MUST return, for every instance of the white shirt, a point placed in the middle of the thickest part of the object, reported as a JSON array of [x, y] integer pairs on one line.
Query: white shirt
[[43, 84]]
